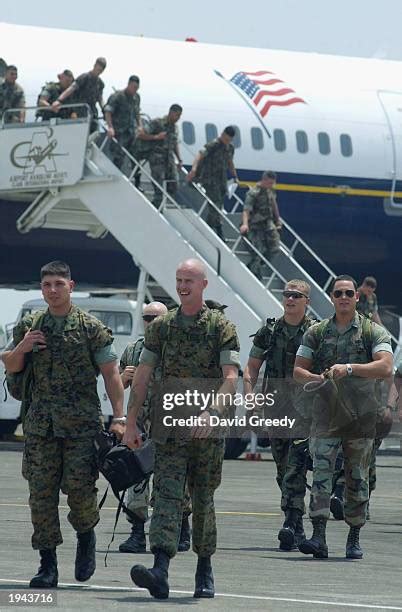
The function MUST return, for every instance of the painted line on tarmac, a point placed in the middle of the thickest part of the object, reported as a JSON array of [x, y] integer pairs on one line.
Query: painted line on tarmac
[[320, 602], [235, 513]]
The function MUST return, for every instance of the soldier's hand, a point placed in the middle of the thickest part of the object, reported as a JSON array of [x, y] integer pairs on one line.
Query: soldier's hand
[[32, 340], [56, 106], [203, 430], [110, 132], [132, 437], [127, 375], [244, 229], [160, 136], [278, 226], [118, 429], [337, 371], [190, 176]]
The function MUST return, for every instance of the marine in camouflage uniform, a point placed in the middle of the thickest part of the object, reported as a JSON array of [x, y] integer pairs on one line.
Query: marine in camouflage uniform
[[162, 134], [276, 344], [62, 419], [210, 168], [261, 222], [122, 114], [192, 351], [344, 417], [11, 96], [50, 92]]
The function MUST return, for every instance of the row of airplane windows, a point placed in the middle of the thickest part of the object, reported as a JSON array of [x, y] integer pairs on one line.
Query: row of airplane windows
[[279, 139]]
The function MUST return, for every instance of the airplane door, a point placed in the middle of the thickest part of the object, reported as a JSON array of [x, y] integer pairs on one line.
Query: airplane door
[[391, 102]]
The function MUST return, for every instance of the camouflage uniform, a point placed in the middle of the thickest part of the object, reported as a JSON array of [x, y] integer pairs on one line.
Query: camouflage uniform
[[367, 305], [277, 344], [212, 174], [51, 92], [138, 503], [358, 394], [162, 157], [61, 421], [11, 96], [190, 351], [262, 231], [125, 110], [88, 90]]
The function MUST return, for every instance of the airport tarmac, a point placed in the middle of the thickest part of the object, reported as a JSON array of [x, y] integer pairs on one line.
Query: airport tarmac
[[250, 572]]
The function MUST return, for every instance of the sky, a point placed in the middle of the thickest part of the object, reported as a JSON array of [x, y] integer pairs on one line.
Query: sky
[[364, 28]]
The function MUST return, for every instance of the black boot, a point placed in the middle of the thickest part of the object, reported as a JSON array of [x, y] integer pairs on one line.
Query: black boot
[[316, 545], [135, 543], [337, 503], [185, 535], [286, 535], [155, 579], [353, 550], [47, 576], [204, 579], [85, 562], [299, 533]]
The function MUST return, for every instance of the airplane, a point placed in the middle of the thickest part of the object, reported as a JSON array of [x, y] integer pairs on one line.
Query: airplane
[[329, 126]]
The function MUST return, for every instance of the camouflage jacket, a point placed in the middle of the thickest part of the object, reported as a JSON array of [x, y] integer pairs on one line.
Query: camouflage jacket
[[125, 110], [367, 306], [88, 90], [167, 146], [213, 166], [11, 96], [50, 92], [65, 402], [260, 202]]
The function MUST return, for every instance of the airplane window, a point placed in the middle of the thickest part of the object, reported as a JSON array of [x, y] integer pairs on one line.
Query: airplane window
[[119, 322], [188, 132], [211, 131], [236, 140], [257, 139], [324, 145], [301, 141], [346, 145], [279, 140]]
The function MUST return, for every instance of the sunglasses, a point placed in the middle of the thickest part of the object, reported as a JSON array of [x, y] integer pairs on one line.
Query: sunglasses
[[296, 295], [339, 293], [149, 318]]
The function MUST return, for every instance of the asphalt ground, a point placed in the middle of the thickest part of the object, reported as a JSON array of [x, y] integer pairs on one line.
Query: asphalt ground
[[250, 572]]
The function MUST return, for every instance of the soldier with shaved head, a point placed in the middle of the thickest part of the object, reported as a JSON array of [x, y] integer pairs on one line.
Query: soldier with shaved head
[[191, 343]]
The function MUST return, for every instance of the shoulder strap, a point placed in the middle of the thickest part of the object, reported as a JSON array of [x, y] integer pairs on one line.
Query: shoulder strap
[[367, 336]]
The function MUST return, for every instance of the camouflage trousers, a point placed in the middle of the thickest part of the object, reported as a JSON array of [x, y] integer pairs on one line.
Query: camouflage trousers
[[126, 140], [138, 503], [53, 464], [357, 455], [201, 462], [290, 457], [163, 169], [216, 192], [267, 242], [339, 476]]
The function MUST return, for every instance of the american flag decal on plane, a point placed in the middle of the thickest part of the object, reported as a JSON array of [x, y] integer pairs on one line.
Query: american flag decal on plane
[[265, 90]]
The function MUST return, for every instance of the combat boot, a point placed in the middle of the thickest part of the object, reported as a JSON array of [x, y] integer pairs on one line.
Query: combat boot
[[337, 503], [185, 535], [316, 545], [47, 576], [155, 579], [85, 562], [286, 535], [136, 542], [204, 579], [353, 550]]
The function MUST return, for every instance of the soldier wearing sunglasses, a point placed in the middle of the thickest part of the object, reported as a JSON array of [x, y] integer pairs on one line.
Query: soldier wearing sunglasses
[[352, 352]]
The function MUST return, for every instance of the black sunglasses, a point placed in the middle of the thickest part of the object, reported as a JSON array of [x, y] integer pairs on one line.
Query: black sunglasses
[[149, 318], [339, 293], [296, 295]]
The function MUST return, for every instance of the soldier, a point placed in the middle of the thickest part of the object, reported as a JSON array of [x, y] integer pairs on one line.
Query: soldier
[[163, 135], [210, 169], [12, 96], [122, 114], [261, 222], [367, 304], [191, 343], [68, 348], [353, 352], [87, 89], [138, 503], [50, 93], [276, 343]]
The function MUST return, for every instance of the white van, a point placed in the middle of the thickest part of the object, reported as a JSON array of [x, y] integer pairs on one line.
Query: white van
[[114, 311]]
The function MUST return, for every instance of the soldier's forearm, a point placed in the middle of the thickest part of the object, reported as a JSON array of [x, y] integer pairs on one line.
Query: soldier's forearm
[[115, 392]]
